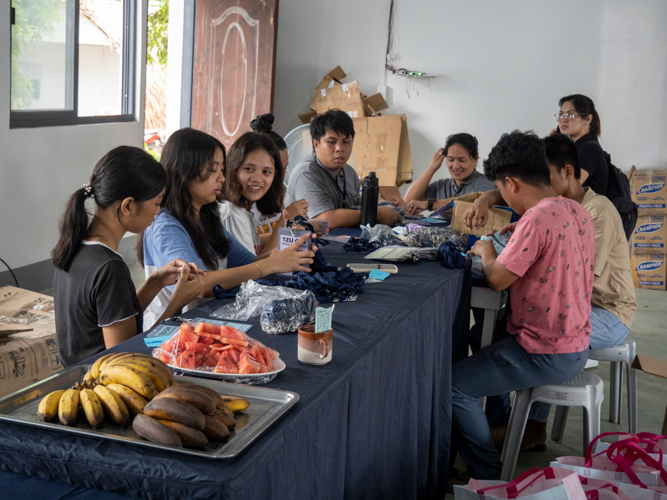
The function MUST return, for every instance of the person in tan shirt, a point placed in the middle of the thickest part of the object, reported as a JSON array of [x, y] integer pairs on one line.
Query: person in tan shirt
[[613, 301]]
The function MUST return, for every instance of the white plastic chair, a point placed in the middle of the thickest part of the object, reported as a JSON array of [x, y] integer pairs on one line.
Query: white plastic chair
[[586, 389], [625, 352]]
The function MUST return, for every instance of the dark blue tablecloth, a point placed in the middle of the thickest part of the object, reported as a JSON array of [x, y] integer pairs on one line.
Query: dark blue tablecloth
[[373, 423]]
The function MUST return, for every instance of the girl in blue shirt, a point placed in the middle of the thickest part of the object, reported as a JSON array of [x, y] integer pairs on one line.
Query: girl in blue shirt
[[189, 224]]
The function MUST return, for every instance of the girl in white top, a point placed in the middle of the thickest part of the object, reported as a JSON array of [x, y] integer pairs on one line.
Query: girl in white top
[[267, 221], [254, 173]]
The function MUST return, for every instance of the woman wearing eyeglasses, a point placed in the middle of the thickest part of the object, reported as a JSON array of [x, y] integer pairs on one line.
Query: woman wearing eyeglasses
[[579, 119]]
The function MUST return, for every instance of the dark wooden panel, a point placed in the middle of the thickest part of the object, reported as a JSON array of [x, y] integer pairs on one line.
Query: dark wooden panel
[[234, 65]]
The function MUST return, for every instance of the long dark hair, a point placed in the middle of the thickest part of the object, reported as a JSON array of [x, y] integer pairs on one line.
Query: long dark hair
[[186, 156], [272, 201], [124, 172], [585, 106], [264, 123]]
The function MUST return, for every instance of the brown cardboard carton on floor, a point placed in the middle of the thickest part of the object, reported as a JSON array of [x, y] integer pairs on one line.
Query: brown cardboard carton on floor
[[28, 348], [650, 235], [498, 218], [655, 367], [651, 270], [649, 191]]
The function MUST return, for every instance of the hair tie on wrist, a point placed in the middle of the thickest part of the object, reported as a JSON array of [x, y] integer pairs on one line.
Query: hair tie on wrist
[[88, 189]]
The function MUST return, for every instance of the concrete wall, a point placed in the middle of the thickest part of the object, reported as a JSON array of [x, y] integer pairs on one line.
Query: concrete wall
[[41, 167], [500, 66]]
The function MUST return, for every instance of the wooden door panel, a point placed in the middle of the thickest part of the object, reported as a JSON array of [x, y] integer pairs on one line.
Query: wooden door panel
[[234, 65]]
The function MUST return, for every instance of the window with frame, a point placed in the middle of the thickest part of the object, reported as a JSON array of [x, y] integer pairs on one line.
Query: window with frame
[[72, 62]]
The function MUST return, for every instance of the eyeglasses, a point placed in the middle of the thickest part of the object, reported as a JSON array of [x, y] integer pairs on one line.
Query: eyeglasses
[[566, 116]]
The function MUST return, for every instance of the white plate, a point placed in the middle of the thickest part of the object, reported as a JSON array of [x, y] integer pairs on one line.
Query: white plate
[[237, 378]]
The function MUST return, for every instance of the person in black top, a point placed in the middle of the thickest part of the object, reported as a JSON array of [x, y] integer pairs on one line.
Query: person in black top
[[579, 119], [96, 304]]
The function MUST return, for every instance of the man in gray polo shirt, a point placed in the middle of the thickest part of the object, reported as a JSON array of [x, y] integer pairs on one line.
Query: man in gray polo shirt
[[326, 181]]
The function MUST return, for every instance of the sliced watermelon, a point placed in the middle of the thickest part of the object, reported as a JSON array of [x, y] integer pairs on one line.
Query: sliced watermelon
[[248, 365], [187, 359], [188, 336], [232, 333], [238, 342], [225, 365]]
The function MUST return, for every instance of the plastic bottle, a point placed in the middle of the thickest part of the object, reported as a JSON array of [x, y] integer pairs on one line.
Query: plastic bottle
[[369, 200]]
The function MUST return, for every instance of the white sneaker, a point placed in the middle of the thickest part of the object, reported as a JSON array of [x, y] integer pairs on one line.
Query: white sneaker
[[591, 363]]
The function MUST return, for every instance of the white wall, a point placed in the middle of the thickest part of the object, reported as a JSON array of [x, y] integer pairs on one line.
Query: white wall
[[41, 167], [500, 66]]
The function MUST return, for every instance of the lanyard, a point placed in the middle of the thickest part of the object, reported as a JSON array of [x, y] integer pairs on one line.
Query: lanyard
[[343, 191]]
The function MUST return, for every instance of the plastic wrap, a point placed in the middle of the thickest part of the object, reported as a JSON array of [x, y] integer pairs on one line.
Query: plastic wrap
[[281, 309], [396, 254], [436, 236], [383, 235], [499, 243], [219, 351]]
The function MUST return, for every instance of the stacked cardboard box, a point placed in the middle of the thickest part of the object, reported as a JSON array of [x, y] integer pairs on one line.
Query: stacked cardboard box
[[649, 239], [381, 143], [28, 348]]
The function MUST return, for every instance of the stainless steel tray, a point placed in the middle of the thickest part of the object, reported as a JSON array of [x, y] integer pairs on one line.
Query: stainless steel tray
[[266, 407]]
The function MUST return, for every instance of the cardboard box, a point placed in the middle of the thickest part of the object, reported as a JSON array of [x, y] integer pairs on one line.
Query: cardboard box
[[655, 367], [28, 348], [650, 235], [382, 145], [331, 93], [498, 217], [649, 191], [651, 270]]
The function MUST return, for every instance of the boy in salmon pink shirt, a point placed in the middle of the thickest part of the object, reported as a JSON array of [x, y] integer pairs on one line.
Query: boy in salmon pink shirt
[[549, 263]]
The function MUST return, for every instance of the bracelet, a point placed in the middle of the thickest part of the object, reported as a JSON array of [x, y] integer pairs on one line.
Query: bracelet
[[260, 270]]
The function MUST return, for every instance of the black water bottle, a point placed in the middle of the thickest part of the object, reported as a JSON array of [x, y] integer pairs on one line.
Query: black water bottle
[[369, 200]]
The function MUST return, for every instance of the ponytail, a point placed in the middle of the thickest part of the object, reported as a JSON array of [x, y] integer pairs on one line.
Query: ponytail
[[72, 228], [124, 172]]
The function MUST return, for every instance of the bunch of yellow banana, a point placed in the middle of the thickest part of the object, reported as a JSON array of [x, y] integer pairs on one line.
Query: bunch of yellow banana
[[121, 385]]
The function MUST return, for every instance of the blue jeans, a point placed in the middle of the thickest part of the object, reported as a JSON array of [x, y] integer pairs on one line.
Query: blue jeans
[[498, 369], [607, 330]]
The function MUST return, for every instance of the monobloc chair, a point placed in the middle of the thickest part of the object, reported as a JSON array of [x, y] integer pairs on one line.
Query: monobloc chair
[[586, 389]]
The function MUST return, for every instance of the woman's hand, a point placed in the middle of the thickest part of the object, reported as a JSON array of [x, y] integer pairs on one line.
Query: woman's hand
[[438, 157], [299, 207], [168, 274], [416, 207], [187, 289], [290, 259]]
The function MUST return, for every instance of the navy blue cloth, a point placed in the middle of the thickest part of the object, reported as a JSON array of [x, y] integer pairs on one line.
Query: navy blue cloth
[[451, 256], [373, 423], [357, 244]]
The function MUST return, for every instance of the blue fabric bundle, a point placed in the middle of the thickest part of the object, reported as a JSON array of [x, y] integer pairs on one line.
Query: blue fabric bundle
[[332, 285], [300, 220], [329, 284], [356, 244], [451, 256]]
